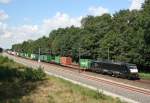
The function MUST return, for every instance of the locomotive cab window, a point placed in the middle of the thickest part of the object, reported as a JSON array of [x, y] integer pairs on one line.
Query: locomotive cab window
[[133, 69]]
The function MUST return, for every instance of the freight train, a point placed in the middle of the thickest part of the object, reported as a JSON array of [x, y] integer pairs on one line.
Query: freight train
[[117, 69]]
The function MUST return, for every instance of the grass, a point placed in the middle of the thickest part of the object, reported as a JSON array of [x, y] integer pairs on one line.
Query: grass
[[67, 92], [144, 75], [16, 89]]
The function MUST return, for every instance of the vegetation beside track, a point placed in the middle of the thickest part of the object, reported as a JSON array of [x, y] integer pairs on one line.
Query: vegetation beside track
[[144, 75], [19, 84]]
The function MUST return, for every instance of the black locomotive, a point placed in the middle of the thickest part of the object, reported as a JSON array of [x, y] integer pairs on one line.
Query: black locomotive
[[118, 69]]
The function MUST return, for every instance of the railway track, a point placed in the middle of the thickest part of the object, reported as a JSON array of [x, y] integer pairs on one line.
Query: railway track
[[70, 69], [143, 81], [121, 85], [76, 67], [73, 71]]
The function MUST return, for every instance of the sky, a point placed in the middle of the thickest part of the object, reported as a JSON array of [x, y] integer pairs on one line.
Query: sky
[[22, 20]]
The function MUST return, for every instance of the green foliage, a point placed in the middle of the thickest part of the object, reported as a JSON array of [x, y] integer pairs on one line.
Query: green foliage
[[126, 34], [33, 74], [144, 75], [4, 60], [7, 71]]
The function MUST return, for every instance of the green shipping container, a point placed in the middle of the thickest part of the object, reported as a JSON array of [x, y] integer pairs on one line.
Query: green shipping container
[[28, 55], [53, 58], [85, 63], [20, 54], [57, 59], [46, 58], [34, 56], [24, 55], [42, 57], [49, 58]]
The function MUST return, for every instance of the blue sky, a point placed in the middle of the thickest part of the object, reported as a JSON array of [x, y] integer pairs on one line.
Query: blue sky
[[30, 19], [37, 10]]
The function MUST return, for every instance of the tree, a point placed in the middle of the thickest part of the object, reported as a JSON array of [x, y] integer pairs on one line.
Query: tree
[[126, 35], [1, 50]]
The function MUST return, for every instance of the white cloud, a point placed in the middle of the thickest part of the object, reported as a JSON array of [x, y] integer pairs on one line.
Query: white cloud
[[7, 34], [60, 20], [3, 15], [18, 34], [5, 1], [3, 30], [136, 4], [10, 35], [97, 11], [24, 32]]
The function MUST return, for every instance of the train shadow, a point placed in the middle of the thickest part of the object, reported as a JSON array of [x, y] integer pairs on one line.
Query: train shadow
[[112, 76]]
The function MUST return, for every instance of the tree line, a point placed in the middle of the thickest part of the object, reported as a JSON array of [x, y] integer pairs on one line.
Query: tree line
[[125, 35], [1, 50]]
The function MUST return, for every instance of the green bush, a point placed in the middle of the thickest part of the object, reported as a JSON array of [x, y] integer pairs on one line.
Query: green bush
[[26, 74], [9, 70], [33, 74], [3, 59], [144, 75], [6, 72]]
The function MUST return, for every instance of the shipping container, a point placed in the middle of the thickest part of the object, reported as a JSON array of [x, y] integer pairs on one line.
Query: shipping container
[[85, 63], [13, 53], [66, 60], [17, 53], [42, 57], [49, 58], [29, 55], [46, 58], [21, 54], [34, 56], [52, 59], [26, 55], [57, 59]]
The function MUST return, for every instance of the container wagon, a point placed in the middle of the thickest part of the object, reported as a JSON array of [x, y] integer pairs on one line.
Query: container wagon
[[45, 58], [66, 60], [57, 60], [85, 63], [34, 56]]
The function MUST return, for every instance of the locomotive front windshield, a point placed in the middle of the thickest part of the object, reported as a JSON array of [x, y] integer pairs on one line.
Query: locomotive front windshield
[[133, 69]]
